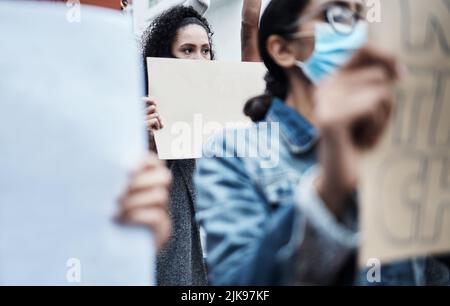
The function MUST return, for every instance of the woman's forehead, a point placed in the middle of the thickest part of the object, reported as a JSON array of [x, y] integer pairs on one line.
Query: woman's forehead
[[192, 33]]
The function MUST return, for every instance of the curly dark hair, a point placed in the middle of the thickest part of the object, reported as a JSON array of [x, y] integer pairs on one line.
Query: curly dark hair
[[157, 40]]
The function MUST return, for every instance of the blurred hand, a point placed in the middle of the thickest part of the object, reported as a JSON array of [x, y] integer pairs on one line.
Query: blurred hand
[[145, 202], [353, 108], [251, 10]]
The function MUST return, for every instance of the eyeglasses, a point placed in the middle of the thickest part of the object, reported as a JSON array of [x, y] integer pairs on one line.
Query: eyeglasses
[[341, 18]]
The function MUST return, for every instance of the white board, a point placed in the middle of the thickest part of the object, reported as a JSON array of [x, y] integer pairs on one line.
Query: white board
[[71, 129], [198, 99]]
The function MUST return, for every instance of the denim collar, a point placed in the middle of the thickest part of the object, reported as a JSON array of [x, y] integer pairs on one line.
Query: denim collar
[[298, 133]]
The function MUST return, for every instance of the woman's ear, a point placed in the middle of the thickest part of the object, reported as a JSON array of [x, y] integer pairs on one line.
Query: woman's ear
[[281, 51]]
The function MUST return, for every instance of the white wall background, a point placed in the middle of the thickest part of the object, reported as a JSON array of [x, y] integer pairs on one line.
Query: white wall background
[[225, 19]]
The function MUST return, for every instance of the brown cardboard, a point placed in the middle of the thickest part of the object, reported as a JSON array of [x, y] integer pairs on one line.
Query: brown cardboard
[[405, 190]]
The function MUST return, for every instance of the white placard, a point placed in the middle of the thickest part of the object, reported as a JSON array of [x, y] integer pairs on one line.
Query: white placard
[[71, 129], [198, 99]]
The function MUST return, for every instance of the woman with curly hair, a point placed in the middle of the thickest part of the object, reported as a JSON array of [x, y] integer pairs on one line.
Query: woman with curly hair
[[182, 32]]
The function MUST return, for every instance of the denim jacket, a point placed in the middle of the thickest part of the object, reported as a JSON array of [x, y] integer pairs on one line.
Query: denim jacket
[[264, 222]]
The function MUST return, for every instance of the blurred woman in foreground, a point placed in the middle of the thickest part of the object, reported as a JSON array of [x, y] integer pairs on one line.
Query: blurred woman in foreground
[[328, 100]]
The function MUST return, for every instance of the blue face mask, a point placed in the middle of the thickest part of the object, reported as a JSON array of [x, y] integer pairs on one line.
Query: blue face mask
[[332, 50]]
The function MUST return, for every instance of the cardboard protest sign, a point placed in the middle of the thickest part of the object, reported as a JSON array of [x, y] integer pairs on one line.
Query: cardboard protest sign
[[197, 99], [406, 183]]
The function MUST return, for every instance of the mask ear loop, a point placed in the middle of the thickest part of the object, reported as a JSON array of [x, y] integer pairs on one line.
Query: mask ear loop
[[302, 35]]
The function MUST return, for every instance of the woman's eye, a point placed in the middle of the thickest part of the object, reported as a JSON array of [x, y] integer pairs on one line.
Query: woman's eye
[[187, 51], [206, 51]]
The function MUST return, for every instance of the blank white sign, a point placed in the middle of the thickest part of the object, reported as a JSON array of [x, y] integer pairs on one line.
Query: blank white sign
[[71, 129]]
